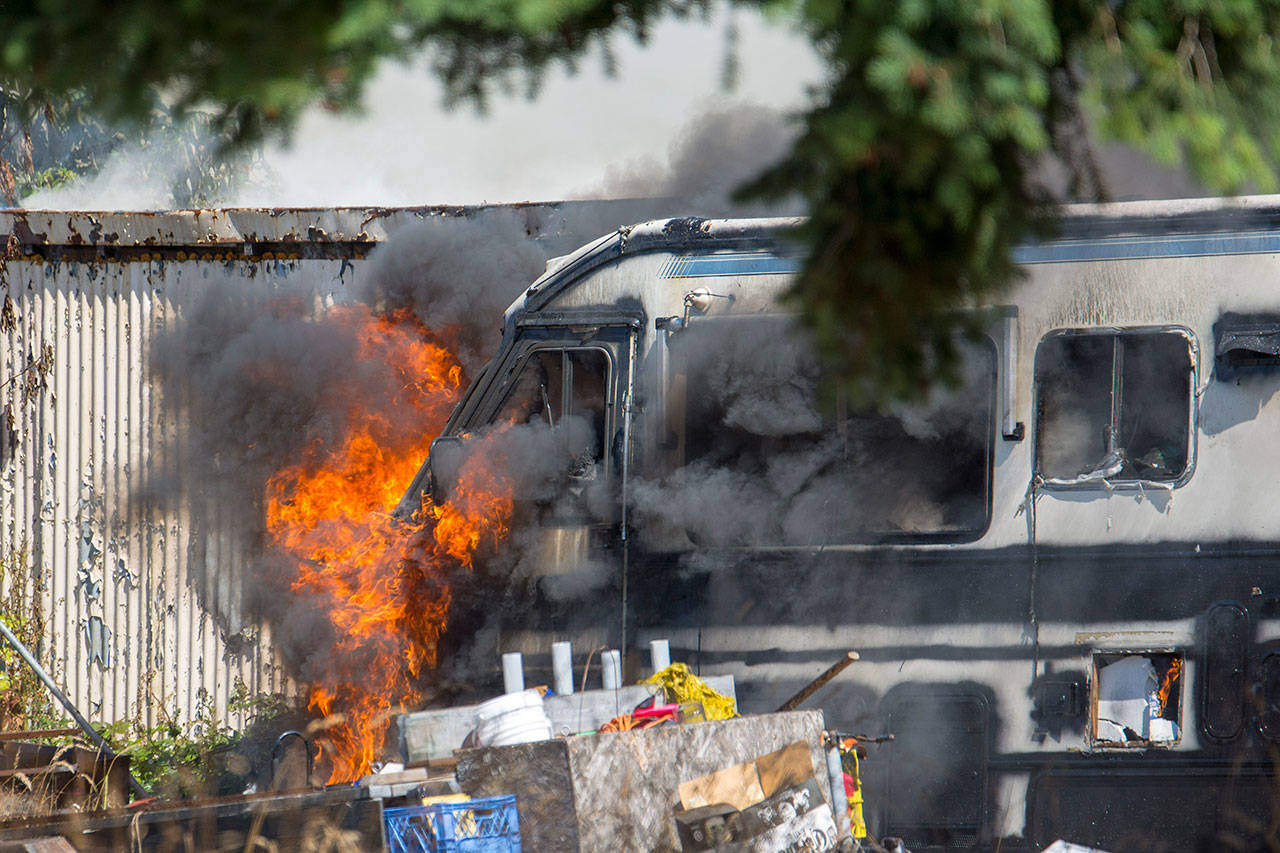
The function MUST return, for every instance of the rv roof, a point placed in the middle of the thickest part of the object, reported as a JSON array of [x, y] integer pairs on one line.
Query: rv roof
[[1079, 222]]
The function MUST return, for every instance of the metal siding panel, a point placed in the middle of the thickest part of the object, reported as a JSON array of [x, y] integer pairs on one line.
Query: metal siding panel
[[64, 553], [98, 437], [139, 633]]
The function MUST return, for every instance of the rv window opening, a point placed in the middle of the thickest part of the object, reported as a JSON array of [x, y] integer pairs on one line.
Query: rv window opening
[[564, 388], [750, 416], [1137, 698], [536, 392], [1114, 407]]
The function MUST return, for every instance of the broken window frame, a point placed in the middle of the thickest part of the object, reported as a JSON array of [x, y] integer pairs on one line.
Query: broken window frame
[[1119, 483], [1098, 658], [500, 395]]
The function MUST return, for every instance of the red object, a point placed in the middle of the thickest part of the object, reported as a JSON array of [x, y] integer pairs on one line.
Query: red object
[[656, 711], [850, 786]]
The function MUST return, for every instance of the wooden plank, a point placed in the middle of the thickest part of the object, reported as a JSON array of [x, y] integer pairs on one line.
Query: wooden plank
[[39, 733], [44, 770], [819, 682]]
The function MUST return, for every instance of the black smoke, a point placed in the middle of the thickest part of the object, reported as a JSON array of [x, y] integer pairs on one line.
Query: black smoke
[[455, 276], [715, 154], [766, 452], [259, 371]]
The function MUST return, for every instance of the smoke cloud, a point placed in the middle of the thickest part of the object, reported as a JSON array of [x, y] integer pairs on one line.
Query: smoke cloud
[[268, 375], [764, 457], [161, 167], [456, 279], [715, 153]]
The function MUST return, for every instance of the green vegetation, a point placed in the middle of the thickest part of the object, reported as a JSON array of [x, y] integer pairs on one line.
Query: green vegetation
[[24, 701], [920, 162], [47, 142], [198, 758], [173, 759], [918, 157]]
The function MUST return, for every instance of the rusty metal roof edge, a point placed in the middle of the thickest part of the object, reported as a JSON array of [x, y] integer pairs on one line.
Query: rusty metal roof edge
[[213, 226], [373, 224]]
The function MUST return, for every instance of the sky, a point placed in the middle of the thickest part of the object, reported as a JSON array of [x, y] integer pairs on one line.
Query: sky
[[583, 127], [408, 149]]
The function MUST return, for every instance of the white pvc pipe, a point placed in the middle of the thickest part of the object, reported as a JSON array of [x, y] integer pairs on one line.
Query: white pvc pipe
[[562, 667], [512, 672], [612, 665], [659, 655]]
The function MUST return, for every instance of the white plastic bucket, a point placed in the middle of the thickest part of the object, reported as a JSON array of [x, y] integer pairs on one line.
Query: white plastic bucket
[[517, 727], [506, 703], [512, 718]]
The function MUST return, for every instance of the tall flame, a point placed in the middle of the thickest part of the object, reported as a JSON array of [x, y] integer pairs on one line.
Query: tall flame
[[381, 582], [1166, 684]]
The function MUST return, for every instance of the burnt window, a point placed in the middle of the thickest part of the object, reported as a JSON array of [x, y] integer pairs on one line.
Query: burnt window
[[760, 451], [1114, 406], [537, 393], [565, 389]]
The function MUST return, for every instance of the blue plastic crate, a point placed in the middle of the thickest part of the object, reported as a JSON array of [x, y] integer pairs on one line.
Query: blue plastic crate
[[409, 830], [484, 825]]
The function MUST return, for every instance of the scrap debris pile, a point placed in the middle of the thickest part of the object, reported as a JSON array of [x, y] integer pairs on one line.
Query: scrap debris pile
[[665, 764]]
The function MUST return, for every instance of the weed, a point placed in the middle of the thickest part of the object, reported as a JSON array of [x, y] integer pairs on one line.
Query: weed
[[24, 700]]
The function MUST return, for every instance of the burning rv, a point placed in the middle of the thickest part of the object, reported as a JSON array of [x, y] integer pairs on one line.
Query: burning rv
[[1060, 574]]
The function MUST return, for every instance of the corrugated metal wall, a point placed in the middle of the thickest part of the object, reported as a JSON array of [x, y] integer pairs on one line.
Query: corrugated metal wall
[[141, 598], [132, 630]]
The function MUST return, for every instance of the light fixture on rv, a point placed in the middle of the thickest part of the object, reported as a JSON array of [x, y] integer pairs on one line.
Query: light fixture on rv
[[699, 300]]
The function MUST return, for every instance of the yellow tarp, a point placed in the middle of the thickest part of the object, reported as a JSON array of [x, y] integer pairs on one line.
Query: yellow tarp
[[682, 686]]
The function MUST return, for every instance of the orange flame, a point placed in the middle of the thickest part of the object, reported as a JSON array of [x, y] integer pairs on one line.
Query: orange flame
[[1170, 676], [380, 582]]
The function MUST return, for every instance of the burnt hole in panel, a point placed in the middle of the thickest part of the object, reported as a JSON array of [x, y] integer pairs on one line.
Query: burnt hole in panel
[[1222, 697], [1136, 698]]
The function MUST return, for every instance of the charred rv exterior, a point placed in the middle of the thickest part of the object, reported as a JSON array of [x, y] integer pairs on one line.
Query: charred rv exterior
[[1061, 577]]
